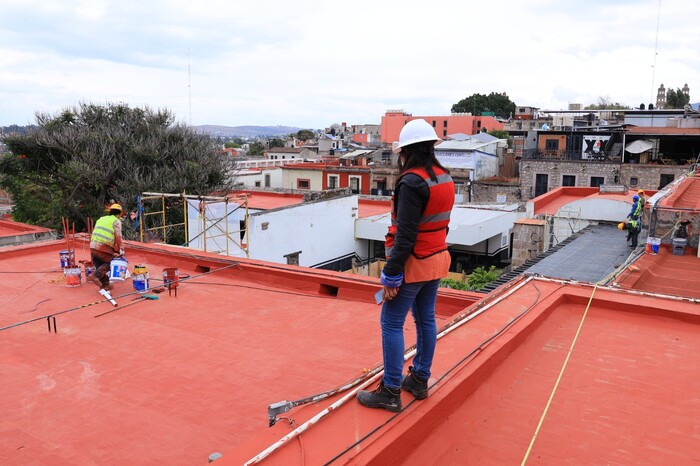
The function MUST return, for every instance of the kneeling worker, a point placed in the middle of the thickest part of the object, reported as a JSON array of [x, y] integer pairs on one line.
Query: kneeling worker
[[105, 245], [632, 227]]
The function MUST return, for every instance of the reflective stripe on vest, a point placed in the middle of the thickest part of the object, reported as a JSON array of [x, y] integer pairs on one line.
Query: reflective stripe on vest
[[104, 230], [432, 227]]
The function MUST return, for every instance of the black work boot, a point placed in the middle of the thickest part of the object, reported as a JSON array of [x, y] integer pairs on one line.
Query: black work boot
[[417, 386], [382, 397]]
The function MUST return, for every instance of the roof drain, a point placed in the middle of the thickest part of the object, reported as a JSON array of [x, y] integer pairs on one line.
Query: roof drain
[[283, 406], [328, 290]]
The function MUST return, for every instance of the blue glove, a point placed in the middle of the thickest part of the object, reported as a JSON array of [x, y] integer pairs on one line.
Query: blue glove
[[391, 282]]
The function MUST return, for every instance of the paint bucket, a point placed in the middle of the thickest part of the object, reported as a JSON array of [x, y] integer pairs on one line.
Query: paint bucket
[[66, 257], [89, 269], [73, 277], [118, 269], [140, 278], [655, 243], [171, 276]]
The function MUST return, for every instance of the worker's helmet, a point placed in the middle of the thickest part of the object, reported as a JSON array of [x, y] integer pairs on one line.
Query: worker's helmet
[[635, 198], [621, 225], [415, 131], [115, 207], [641, 191]]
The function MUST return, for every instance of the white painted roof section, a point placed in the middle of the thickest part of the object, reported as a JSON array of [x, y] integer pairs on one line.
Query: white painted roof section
[[356, 153], [468, 225], [458, 137], [485, 137]]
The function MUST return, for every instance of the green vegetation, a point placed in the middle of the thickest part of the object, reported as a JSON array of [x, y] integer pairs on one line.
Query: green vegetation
[[499, 133], [605, 103], [676, 99], [305, 134], [256, 148], [74, 162], [479, 278], [477, 104]]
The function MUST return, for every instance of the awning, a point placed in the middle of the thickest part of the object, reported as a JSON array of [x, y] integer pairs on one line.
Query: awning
[[639, 146]]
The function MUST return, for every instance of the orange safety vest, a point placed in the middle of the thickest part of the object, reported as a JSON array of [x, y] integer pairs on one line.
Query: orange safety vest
[[432, 228]]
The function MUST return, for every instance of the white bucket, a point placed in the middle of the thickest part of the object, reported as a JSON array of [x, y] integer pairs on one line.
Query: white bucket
[[117, 270]]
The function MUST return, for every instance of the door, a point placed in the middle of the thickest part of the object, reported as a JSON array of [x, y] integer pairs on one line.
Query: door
[[541, 183]]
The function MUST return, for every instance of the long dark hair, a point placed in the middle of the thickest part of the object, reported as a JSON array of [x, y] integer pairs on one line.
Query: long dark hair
[[420, 155]]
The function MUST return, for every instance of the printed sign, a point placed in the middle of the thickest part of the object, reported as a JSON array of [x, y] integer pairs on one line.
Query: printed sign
[[455, 159], [594, 147]]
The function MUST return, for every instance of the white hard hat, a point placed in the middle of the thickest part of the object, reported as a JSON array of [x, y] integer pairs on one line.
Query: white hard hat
[[415, 131]]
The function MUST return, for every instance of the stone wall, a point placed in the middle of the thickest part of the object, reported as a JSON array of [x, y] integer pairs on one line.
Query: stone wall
[[528, 240], [664, 221], [647, 176], [496, 192]]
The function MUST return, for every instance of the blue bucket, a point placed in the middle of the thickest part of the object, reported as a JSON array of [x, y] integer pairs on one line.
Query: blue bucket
[[140, 278]]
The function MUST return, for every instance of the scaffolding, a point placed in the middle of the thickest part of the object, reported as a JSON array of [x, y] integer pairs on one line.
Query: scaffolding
[[561, 226], [211, 230]]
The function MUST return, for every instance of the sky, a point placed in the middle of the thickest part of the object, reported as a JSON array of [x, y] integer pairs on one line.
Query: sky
[[311, 64]]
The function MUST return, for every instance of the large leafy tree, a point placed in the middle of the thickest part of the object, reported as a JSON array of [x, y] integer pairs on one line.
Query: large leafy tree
[[676, 99], [74, 162], [478, 104]]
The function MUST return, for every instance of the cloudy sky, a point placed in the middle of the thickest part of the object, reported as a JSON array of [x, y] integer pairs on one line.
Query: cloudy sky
[[313, 63]]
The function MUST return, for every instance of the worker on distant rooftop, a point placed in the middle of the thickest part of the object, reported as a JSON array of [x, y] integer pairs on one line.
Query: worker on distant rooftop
[[642, 199], [417, 259], [106, 244], [633, 228], [636, 211]]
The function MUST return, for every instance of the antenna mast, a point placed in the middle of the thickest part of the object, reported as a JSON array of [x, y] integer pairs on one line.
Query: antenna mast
[[189, 83], [656, 47]]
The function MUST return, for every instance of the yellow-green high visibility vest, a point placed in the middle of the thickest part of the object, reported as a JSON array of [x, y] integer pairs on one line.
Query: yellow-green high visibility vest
[[104, 230]]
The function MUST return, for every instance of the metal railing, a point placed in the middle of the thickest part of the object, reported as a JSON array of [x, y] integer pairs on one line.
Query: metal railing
[[537, 154]]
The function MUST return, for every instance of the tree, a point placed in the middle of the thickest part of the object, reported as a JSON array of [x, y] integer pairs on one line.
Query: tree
[[256, 148], [676, 99], [305, 134], [231, 144], [477, 104], [276, 142], [605, 103], [499, 133], [481, 276], [74, 162]]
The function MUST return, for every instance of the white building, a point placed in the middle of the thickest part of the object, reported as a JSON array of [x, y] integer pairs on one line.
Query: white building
[[477, 154]]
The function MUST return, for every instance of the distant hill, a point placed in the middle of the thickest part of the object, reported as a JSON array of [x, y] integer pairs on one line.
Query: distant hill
[[246, 131]]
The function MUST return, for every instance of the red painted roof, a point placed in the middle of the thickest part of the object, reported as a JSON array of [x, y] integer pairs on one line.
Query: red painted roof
[[269, 200], [170, 381], [685, 196], [550, 202], [11, 228], [370, 208]]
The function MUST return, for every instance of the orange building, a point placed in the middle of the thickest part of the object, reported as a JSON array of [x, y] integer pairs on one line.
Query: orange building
[[394, 120]]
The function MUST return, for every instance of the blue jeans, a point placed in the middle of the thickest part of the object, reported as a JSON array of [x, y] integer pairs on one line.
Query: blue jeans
[[420, 298]]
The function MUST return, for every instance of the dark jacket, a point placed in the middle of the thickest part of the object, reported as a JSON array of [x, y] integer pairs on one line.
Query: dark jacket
[[411, 195]]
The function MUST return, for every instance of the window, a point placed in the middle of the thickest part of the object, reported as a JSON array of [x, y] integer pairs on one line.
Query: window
[[267, 180], [634, 181], [257, 184], [596, 181], [478, 124], [355, 184], [665, 179], [444, 133], [541, 183], [333, 181], [568, 180], [444, 123], [293, 258], [551, 145], [434, 123], [303, 184]]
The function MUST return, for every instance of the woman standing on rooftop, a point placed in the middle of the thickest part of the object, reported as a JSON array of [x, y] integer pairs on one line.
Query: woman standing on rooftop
[[417, 259]]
